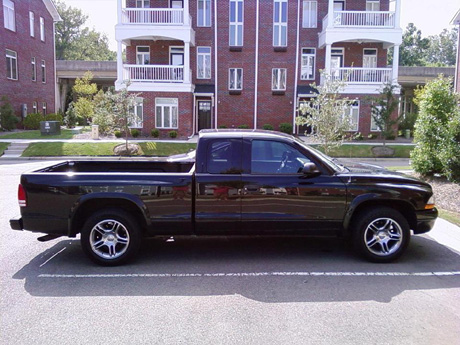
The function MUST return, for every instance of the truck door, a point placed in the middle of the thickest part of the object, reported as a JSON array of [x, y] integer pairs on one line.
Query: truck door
[[278, 198], [218, 188]]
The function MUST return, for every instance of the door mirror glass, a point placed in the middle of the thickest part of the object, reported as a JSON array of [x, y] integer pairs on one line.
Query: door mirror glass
[[310, 169]]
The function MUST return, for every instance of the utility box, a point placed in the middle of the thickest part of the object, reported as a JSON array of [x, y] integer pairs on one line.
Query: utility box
[[95, 131], [50, 127]]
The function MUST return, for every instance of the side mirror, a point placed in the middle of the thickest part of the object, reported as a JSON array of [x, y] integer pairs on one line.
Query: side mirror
[[310, 170]]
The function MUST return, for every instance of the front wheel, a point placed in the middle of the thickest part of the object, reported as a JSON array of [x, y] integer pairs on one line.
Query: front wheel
[[381, 234], [110, 237]]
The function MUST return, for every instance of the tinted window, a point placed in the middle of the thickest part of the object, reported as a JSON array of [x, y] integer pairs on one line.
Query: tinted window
[[224, 157], [273, 157]]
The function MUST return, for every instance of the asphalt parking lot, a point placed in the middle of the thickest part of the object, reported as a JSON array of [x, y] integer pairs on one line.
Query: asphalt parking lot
[[224, 291]]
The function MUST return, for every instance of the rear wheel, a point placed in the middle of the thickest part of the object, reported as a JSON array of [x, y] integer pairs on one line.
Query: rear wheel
[[381, 234], [111, 237]]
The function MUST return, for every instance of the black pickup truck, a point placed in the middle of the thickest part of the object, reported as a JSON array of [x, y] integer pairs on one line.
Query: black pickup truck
[[236, 183]]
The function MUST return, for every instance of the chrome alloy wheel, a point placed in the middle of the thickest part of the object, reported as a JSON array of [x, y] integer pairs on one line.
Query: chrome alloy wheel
[[109, 239], [383, 236]]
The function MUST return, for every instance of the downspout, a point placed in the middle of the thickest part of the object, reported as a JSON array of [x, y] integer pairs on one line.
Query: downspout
[[193, 117], [216, 88], [256, 65], [296, 76]]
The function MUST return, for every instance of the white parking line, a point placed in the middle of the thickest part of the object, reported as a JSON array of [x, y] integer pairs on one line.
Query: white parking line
[[43, 264], [256, 274]]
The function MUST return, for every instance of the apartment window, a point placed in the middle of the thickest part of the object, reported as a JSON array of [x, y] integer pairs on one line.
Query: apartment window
[[235, 79], [310, 14], [32, 24], [43, 72], [308, 64], [34, 69], [137, 120], [34, 108], [203, 62], [279, 79], [353, 116], [44, 108], [204, 13], [166, 113], [8, 15], [370, 58], [11, 65], [280, 23], [372, 5], [374, 126], [143, 3], [42, 29], [236, 23], [142, 55]]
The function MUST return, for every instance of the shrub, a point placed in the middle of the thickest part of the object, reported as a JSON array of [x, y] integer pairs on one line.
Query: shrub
[[390, 137], [408, 122], [135, 133], [450, 152], [172, 134], [70, 118], [8, 120], [155, 133], [372, 136], [359, 136], [32, 121], [54, 117], [222, 126], [243, 127], [268, 127], [117, 134], [286, 127]]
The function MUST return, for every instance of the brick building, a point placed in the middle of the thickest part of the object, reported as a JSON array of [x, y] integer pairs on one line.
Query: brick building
[[27, 42], [206, 63]]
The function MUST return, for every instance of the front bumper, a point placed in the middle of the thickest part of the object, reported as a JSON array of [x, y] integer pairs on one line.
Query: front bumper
[[16, 223], [425, 220]]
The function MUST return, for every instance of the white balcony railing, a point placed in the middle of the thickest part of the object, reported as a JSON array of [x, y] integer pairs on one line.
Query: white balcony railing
[[154, 73], [153, 16], [360, 75], [367, 19]]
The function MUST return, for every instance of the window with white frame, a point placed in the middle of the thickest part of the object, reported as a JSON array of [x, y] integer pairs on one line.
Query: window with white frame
[[11, 64], [279, 79], [352, 114], [310, 14], [235, 79], [42, 29], [142, 3], [370, 58], [203, 62], [236, 23], [34, 108], [34, 69], [372, 5], [166, 112], [280, 23], [307, 71], [374, 126], [9, 19], [32, 24], [142, 55], [44, 108], [43, 72], [137, 118], [204, 13]]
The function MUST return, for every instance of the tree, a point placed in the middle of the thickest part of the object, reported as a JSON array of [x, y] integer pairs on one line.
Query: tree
[[327, 113], [412, 50], [84, 90], [75, 43], [8, 120], [442, 50], [438, 104], [382, 111]]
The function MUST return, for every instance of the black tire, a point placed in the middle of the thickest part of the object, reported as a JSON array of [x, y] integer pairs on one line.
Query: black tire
[[380, 234], [111, 237]]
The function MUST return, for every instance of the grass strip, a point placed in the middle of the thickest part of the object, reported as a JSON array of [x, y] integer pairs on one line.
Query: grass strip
[[35, 134], [365, 151], [3, 147], [450, 216]]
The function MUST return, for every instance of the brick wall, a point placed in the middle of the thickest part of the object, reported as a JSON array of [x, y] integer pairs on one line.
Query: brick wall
[[24, 90]]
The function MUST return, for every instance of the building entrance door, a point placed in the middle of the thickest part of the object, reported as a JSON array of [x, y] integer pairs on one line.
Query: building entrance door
[[204, 115]]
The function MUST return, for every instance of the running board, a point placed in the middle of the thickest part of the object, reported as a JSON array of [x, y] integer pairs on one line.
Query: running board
[[48, 237]]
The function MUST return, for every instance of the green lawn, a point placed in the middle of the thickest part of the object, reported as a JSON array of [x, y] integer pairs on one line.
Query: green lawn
[[365, 151], [35, 134], [3, 147], [102, 149], [450, 216]]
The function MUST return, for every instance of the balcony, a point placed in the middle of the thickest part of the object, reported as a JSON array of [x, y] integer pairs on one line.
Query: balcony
[[362, 80], [153, 16], [359, 19]]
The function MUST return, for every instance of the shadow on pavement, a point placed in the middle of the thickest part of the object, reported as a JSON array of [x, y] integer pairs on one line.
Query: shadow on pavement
[[241, 255]]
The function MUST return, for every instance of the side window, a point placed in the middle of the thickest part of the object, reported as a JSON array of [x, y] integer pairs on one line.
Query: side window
[[224, 157], [273, 157]]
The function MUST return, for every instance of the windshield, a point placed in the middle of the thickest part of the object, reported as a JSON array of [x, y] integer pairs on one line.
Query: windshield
[[325, 158]]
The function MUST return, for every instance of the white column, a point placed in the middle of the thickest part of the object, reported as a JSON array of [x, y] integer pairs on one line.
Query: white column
[[187, 62], [395, 64], [327, 66], [120, 62], [119, 10], [330, 14], [186, 13], [397, 13]]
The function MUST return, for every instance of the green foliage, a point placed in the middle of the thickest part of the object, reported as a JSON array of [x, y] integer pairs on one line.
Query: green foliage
[[243, 127], [8, 120], [117, 134], [442, 50], [172, 134], [84, 110], [413, 47], [103, 115], [268, 127], [222, 126], [32, 121], [70, 119], [54, 117], [438, 106], [286, 127], [135, 133], [450, 151], [359, 136], [83, 86], [382, 111], [371, 136], [155, 133], [408, 122]]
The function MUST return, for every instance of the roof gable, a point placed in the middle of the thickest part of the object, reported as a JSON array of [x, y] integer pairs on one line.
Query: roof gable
[[52, 10]]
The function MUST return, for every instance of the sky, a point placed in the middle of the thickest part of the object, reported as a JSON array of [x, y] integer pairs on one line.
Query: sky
[[429, 16]]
